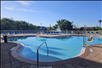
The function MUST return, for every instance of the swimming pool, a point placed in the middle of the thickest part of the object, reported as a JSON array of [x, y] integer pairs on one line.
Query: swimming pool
[[60, 48]]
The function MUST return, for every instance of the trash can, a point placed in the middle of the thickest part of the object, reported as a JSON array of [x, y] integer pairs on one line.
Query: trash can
[[5, 38]]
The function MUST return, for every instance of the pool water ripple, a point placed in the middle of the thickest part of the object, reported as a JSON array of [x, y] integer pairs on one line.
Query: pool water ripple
[[59, 48]]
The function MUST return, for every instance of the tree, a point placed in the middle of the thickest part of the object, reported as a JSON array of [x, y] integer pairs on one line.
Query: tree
[[17, 25], [100, 22], [10, 24], [66, 25], [7, 24], [59, 22], [37, 27], [55, 27]]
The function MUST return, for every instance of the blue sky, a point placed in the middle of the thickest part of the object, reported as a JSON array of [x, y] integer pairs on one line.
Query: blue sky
[[48, 12]]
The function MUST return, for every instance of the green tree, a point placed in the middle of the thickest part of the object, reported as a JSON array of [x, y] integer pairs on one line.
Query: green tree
[[59, 22], [55, 27], [18, 25], [66, 25], [10, 24]]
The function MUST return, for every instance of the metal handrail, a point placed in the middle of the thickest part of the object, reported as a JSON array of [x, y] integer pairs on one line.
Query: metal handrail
[[38, 53]]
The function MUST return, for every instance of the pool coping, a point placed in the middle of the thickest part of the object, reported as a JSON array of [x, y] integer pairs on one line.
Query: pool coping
[[15, 54], [19, 46]]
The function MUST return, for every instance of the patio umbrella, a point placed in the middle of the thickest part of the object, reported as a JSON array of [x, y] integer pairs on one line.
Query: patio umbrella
[[42, 27]]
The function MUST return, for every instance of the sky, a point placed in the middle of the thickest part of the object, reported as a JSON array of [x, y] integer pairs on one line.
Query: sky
[[48, 12]]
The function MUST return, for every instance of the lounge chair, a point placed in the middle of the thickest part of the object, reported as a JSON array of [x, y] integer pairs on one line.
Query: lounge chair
[[61, 32], [58, 32], [3, 32], [68, 32], [51, 32], [20, 32], [54, 32], [45, 32], [88, 32], [9, 32], [25, 32], [84, 32], [92, 32], [28, 32], [97, 32], [12, 32], [35, 32], [32, 31], [41, 32], [15, 32]]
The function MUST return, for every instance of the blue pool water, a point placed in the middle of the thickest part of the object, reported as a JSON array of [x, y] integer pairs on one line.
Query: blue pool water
[[60, 48]]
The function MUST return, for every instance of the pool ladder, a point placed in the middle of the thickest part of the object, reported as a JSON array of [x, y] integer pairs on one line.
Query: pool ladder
[[38, 53]]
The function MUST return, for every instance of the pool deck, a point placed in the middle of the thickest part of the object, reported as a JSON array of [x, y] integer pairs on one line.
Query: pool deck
[[89, 59], [51, 35]]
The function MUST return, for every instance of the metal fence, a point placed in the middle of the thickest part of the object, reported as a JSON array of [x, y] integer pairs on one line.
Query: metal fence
[[48, 32]]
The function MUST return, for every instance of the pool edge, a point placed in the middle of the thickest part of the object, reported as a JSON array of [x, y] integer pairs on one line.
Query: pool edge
[[86, 53], [21, 58]]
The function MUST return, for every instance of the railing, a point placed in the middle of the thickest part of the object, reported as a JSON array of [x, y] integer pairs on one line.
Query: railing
[[38, 53]]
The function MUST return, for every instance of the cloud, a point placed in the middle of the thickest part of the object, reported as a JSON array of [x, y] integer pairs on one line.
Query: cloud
[[24, 2], [27, 10], [9, 8]]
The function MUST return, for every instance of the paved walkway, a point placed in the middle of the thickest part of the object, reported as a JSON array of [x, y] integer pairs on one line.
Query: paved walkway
[[7, 60]]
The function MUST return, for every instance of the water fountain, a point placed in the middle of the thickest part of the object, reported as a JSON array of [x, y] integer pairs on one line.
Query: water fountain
[[58, 29]]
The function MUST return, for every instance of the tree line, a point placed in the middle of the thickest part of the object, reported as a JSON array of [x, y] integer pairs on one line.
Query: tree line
[[10, 24]]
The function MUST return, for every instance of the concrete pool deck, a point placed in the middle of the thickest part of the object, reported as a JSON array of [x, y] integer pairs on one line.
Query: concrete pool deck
[[88, 60]]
